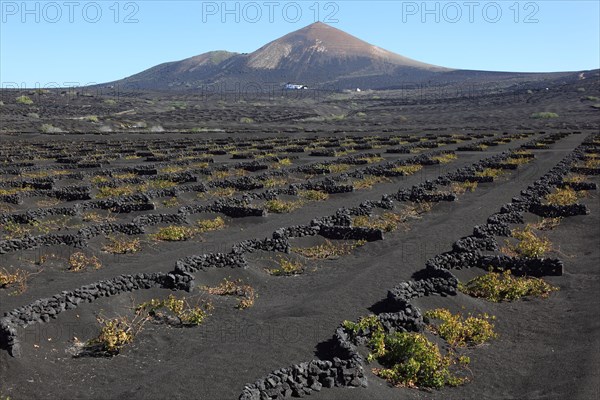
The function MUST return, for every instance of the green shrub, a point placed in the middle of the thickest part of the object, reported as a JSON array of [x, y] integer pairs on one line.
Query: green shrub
[[496, 287], [287, 268], [207, 225], [174, 233], [562, 197], [24, 100], [412, 360], [313, 195], [179, 308], [459, 331], [529, 244], [328, 250], [281, 206], [237, 288]]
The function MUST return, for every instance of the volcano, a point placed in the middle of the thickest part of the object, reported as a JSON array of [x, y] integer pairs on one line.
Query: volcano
[[318, 56]]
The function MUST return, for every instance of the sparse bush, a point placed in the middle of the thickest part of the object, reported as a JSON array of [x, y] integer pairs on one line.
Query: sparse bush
[[328, 250], [529, 244], [108, 192], [497, 287], [166, 309], [313, 195], [274, 182], [17, 279], [122, 245], [462, 187], [544, 115], [459, 331], [547, 224], [407, 169], [369, 181], [174, 233], [412, 360], [172, 202], [93, 216], [246, 120], [445, 158], [47, 128], [236, 288], [387, 222], [24, 100], [208, 225], [114, 334], [562, 197], [281, 206], [79, 261], [490, 172], [338, 168], [287, 268]]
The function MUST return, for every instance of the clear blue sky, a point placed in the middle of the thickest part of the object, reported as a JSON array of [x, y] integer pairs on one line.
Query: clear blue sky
[[90, 42]]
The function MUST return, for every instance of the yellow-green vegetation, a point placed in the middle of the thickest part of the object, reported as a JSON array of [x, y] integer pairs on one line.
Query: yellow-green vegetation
[[274, 182], [93, 216], [497, 287], [544, 115], [179, 308], [107, 192], [547, 224], [278, 206], [284, 162], [407, 169], [462, 187], [490, 172], [562, 197], [246, 120], [574, 178], [91, 118], [518, 160], [174, 233], [287, 267], [11, 191], [482, 146], [459, 331], [79, 261], [387, 222], [328, 250], [16, 279], [372, 159], [529, 244], [445, 158], [236, 288], [124, 175], [338, 168], [24, 100], [408, 359], [218, 175], [172, 202], [313, 195], [15, 231], [207, 225], [591, 162], [369, 181], [122, 245], [99, 179], [44, 174], [114, 334], [132, 157], [172, 169], [157, 185], [217, 193]]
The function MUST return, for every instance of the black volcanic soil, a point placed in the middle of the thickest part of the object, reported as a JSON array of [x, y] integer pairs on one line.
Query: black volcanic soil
[[547, 349]]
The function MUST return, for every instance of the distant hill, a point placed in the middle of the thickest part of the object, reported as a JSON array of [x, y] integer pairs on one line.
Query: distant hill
[[319, 56]]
